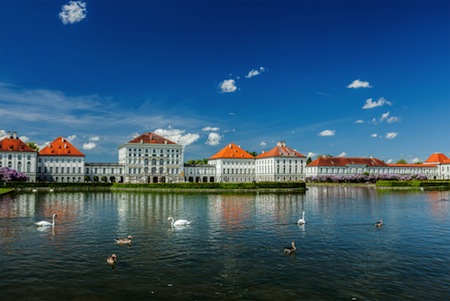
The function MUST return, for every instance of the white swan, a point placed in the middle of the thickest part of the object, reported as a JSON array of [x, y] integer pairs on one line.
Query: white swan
[[123, 240], [302, 220], [46, 223], [180, 222], [291, 249]]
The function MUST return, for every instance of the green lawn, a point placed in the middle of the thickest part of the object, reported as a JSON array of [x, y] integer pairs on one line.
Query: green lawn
[[5, 190]]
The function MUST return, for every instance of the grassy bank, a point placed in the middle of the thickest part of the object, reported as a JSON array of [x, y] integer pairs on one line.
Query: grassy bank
[[432, 184], [5, 190]]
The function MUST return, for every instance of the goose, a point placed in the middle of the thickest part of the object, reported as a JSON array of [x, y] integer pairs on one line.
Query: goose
[[379, 224], [46, 223], [111, 260], [291, 249], [302, 220], [123, 240], [180, 222]]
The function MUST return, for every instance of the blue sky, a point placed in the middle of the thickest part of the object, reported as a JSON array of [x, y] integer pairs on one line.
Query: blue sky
[[344, 78]]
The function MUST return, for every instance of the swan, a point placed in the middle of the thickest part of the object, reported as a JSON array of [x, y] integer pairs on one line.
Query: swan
[[112, 259], [302, 220], [180, 222], [291, 249], [379, 224], [123, 240], [46, 223]]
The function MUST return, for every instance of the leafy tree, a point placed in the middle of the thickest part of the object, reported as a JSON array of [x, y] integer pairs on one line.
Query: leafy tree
[[254, 154], [309, 160], [33, 145], [401, 161], [9, 174]]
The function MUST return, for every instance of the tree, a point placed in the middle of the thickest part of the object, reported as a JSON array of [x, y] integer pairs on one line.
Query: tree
[[401, 161], [9, 174], [254, 154], [309, 160], [33, 145]]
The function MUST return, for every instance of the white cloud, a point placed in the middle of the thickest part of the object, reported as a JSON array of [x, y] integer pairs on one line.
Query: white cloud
[[73, 12], [370, 104], [359, 121], [24, 139], [384, 116], [415, 160], [311, 155], [72, 138], [213, 139], [393, 119], [255, 72], [89, 145], [389, 161], [391, 135], [210, 128], [374, 135], [94, 138], [263, 143], [359, 84], [342, 155], [327, 133], [228, 86], [2, 134], [178, 136]]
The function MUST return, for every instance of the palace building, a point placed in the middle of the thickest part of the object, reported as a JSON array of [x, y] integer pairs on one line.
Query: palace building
[[151, 158]]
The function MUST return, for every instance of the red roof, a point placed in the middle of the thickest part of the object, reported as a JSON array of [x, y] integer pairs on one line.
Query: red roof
[[151, 138], [281, 150], [232, 151], [335, 161], [14, 144], [60, 147], [437, 158]]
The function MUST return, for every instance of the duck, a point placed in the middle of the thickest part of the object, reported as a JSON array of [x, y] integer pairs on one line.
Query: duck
[[180, 222], [111, 260], [123, 240], [291, 249], [302, 220], [379, 224], [46, 223]]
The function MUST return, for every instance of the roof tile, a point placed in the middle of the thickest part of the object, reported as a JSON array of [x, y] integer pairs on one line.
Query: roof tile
[[60, 147]]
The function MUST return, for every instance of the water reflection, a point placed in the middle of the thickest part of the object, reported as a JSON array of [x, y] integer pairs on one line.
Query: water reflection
[[232, 250]]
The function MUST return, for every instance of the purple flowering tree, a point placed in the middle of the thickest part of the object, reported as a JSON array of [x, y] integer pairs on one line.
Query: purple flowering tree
[[8, 174]]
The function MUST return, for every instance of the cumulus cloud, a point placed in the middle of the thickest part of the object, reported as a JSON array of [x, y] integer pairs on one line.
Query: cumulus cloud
[[213, 139], [255, 72], [391, 135], [384, 116], [210, 128], [89, 145], [415, 160], [359, 84], [374, 135], [228, 86], [327, 133], [342, 155], [72, 138], [263, 143], [359, 121], [393, 119], [94, 138], [2, 134], [370, 104], [311, 155], [178, 136], [73, 12], [389, 161]]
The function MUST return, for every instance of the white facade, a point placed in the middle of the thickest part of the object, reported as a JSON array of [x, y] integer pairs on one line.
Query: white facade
[[150, 158], [236, 170], [16, 155], [61, 169], [104, 172]]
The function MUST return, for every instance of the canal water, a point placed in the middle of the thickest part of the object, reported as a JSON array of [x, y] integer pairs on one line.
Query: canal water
[[233, 248]]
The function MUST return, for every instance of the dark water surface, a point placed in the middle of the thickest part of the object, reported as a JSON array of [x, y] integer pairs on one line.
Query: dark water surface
[[233, 250]]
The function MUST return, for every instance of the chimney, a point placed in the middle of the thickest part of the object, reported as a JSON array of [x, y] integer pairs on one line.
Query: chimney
[[15, 135]]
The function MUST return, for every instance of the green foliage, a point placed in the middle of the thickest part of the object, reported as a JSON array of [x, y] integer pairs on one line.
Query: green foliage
[[224, 186], [414, 183], [309, 160], [401, 161], [33, 145]]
